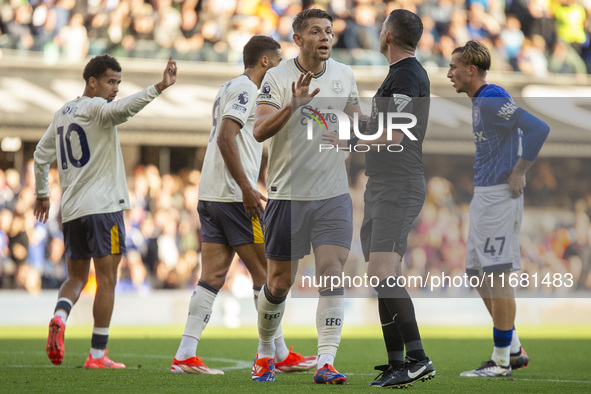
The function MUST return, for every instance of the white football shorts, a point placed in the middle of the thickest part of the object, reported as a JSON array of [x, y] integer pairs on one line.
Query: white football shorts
[[493, 235]]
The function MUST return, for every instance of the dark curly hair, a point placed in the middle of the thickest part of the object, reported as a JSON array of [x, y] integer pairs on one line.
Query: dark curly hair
[[98, 65]]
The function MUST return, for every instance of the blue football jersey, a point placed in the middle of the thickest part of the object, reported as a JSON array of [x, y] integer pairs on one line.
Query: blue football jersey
[[496, 135]]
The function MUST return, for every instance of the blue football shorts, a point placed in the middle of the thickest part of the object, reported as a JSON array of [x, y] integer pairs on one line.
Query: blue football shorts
[[96, 235], [227, 223]]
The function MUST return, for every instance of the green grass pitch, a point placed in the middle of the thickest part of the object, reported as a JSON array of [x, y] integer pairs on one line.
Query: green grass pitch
[[559, 361]]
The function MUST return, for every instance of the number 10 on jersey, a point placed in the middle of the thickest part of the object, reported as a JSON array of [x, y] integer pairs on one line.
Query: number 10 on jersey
[[66, 146]]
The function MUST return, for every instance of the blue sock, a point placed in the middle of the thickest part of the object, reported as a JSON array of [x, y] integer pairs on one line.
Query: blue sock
[[502, 338]]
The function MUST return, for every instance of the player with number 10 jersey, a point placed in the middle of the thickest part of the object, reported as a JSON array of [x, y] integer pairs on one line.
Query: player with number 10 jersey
[[83, 138]]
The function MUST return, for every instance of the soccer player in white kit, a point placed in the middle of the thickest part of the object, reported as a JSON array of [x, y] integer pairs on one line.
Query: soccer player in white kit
[[508, 140], [230, 206], [83, 138], [309, 202]]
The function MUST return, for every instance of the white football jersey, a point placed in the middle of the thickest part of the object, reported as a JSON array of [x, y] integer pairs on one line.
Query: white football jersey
[[83, 138], [297, 169], [235, 101]]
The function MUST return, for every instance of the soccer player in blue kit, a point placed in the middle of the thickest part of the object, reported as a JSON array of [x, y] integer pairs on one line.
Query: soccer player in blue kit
[[508, 140]]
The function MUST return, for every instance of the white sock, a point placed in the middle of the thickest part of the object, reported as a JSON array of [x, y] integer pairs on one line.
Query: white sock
[[325, 359], [61, 313], [515, 342], [97, 353], [329, 323], [281, 350], [256, 294], [501, 355], [200, 309], [270, 315]]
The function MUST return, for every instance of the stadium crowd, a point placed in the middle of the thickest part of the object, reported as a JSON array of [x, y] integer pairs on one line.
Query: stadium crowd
[[163, 230], [535, 37]]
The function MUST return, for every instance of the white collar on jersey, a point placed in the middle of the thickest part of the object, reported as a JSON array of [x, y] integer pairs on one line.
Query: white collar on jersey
[[399, 60]]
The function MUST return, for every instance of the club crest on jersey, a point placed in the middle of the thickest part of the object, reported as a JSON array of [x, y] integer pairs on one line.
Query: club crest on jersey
[[337, 86], [243, 98], [476, 116]]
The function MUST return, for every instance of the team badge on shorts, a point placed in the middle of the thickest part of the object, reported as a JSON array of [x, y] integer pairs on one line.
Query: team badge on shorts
[[337, 86]]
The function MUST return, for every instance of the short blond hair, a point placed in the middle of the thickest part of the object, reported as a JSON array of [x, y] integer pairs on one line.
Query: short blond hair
[[474, 53]]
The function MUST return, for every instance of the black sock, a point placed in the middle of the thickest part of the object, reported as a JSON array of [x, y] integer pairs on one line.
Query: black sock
[[400, 306], [392, 338], [63, 305], [99, 341]]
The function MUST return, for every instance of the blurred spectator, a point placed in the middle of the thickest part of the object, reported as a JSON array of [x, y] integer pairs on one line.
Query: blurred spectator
[[565, 60], [6, 193], [163, 229], [54, 271], [72, 39], [210, 30], [570, 21], [512, 38], [532, 60], [578, 253], [17, 25]]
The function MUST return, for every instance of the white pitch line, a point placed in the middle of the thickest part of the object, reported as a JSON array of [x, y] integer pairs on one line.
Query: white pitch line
[[242, 364]]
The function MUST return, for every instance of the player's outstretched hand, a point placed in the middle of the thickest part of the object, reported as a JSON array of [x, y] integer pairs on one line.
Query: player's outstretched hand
[[301, 89], [169, 75]]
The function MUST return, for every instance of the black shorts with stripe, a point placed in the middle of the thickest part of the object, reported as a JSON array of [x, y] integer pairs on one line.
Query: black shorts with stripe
[[227, 223], [96, 235]]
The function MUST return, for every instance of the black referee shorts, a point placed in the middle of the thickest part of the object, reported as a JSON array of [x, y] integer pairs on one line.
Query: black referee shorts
[[390, 209]]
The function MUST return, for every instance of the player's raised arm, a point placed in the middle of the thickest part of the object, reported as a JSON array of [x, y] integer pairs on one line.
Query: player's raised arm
[[269, 119], [168, 76]]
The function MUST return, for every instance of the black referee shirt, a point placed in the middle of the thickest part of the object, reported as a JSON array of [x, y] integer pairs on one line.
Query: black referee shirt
[[405, 89]]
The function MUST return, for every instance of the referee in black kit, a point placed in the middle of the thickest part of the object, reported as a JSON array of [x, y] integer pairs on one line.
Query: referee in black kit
[[394, 197]]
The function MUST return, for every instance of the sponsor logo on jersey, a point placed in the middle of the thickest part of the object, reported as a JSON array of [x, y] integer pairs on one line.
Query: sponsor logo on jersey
[[507, 111], [401, 101], [237, 107], [479, 136]]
